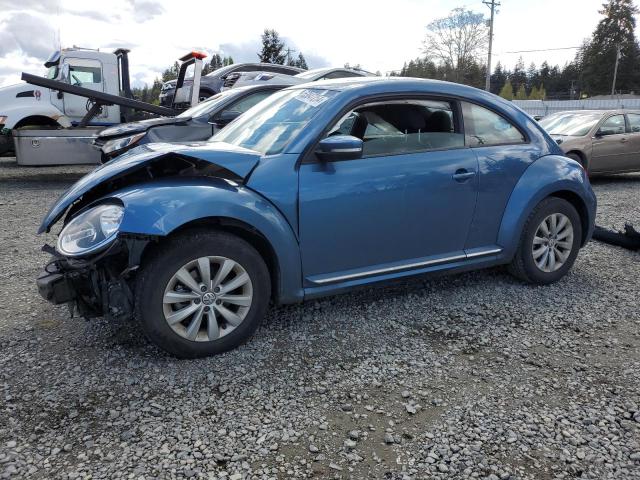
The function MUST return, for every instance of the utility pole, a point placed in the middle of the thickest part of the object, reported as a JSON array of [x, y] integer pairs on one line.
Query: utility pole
[[289, 52], [615, 72], [492, 4]]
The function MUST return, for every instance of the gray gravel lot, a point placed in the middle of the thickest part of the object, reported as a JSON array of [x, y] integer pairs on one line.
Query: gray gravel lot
[[469, 376]]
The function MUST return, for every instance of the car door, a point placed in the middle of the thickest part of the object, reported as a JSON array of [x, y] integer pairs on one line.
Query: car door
[[85, 73], [408, 202], [610, 145], [633, 160]]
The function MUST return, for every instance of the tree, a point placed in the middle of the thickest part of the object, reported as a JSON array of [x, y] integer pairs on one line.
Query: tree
[[534, 94], [216, 61], [300, 62], [171, 73], [597, 57], [498, 78], [507, 91], [458, 40], [272, 48], [226, 61], [521, 94]]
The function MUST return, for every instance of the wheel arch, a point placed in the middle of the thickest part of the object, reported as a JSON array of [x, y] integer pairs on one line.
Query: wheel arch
[[581, 155], [247, 232], [581, 207], [552, 175], [40, 120]]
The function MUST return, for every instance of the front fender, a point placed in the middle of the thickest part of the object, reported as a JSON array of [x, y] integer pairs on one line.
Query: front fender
[[546, 176], [17, 113], [159, 207]]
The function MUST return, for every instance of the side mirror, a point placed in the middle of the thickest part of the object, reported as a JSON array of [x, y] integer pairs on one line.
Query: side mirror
[[64, 73], [339, 147], [223, 118]]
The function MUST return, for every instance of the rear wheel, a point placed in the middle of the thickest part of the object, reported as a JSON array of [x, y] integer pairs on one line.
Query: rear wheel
[[202, 293], [549, 243]]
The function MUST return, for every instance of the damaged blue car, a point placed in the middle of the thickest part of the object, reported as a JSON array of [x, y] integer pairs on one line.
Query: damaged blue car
[[315, 191]]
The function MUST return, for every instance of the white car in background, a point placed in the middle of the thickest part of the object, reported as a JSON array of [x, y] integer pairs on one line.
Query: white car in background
[[252, 78]]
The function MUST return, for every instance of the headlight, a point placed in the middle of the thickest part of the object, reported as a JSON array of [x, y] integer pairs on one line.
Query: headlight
[[90, 231], [120, 143]]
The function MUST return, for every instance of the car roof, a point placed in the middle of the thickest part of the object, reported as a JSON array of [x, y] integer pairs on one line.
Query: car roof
[[391, 84]]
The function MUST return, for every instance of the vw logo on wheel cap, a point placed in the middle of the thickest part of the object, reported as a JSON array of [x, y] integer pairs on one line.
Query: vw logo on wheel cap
[[208, 298]]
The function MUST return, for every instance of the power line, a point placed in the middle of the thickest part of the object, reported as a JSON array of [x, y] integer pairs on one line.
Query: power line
[[541, 50]]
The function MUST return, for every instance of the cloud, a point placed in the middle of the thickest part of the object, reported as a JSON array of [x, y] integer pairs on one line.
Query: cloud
[[144, 10], [29, 34]]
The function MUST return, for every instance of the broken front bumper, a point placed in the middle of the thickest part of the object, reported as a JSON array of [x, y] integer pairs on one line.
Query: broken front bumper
[[101, 286]]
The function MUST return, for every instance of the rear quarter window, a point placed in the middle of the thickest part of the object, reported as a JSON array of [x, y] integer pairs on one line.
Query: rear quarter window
[[483, 127]]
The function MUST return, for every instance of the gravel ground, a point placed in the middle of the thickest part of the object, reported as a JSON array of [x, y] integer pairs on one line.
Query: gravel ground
[[470, 376]]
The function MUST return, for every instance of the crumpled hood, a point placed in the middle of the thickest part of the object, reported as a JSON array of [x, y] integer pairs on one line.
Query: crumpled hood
[[199, 155], [137, 127]]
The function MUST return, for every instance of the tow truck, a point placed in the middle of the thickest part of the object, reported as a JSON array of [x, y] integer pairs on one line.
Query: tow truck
[[83, 91]]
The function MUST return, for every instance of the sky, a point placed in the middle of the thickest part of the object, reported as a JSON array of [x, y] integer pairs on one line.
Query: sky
[[378, 35]]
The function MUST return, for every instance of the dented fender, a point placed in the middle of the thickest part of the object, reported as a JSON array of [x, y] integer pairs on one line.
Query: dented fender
[[160, 207]]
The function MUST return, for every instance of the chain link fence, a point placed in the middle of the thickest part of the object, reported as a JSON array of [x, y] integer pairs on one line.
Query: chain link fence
[[542, 108]]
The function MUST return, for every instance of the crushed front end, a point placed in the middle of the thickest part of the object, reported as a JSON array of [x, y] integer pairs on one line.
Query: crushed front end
[[97, 286]]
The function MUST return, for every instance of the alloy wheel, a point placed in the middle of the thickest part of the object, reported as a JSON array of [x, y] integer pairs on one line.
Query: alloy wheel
[[207, 298], [552, 242]]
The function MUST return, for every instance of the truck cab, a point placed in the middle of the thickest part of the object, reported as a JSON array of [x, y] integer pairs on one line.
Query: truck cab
[[25, 105]]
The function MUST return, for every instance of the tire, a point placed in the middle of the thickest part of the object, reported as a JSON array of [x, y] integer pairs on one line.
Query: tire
[[525, 266], [158, 285], [577, 158], [203, 95]]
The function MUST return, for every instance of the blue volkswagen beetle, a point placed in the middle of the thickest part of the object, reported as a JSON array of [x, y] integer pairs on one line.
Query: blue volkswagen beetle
[[316, 190]]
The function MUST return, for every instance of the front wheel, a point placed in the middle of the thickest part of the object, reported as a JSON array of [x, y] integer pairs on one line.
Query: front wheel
[[202, 293], [549, 243]]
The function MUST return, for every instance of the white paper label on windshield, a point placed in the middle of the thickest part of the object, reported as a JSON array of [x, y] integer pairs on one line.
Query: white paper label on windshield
[[312, 97]]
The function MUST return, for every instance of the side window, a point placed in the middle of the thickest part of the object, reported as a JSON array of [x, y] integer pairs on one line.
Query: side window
[[399, 127], [482, 127], [249, 101], [613, 125], [634, 122], [83, 71]]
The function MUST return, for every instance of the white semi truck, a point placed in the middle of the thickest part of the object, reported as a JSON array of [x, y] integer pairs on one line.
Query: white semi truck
[[83, 91]]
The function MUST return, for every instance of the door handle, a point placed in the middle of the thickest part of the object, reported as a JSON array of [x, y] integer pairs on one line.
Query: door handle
[[462, 175], [623, 140]]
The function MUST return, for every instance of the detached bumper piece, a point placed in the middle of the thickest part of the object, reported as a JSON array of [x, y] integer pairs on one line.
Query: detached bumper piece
[[629, 238]]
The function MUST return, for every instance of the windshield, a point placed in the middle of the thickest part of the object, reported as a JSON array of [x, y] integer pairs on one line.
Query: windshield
[[208, 105], [270, 125], [570, 123], [52, 72]]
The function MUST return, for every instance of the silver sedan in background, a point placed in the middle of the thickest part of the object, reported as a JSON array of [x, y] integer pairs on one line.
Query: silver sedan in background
[[603, 141]]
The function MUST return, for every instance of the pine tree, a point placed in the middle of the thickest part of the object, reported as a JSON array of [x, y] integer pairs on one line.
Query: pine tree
[[507, 91], [272, 48], [216, 61], [542, 93], [301, 62], [597, 58], [521, 94], [226, 61], [534, 94]]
